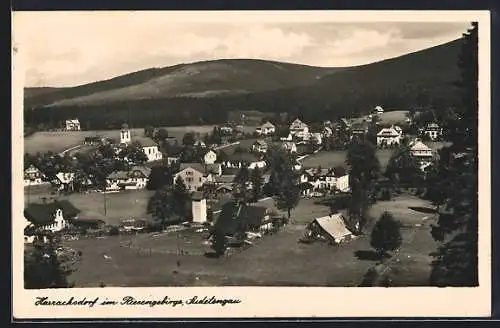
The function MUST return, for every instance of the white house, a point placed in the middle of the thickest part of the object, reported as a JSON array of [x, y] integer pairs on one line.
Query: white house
[[423, 154], [324, 180], [33, 176], [53, 216], [289, 146], [388, 137], [149, 147], [135, 178], [266, 129], [259, 146], [73, 125], [299, 129], [378, 110], [210, 157], [196, 175], [433, 130]]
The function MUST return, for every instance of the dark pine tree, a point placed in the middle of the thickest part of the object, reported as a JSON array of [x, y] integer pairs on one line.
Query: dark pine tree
[[456, 260]]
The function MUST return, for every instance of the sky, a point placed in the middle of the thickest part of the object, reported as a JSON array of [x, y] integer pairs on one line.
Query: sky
[[61, 50]]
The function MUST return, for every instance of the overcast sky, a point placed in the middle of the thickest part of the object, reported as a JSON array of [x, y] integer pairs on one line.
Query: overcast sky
[[68, 50]]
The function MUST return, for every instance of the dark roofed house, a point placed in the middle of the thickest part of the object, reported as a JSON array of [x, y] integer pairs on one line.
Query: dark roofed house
[[53, 216], [237, 218], [331, 228], [135, 178]]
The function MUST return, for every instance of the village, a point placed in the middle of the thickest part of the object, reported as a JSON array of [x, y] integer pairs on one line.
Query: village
[[225, 194]]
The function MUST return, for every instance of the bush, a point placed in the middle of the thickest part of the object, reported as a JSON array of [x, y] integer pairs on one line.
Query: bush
[[386, 235]]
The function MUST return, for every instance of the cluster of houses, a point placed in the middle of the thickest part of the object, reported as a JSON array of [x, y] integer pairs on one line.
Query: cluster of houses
[[211, 175]]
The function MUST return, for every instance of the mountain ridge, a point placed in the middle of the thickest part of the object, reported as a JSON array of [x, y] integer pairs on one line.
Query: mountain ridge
[[422, 78]]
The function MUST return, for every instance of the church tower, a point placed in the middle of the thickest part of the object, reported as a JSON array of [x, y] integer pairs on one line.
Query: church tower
[[125, 134]]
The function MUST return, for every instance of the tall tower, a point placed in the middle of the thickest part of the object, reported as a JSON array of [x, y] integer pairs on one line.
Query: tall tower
[[199, 208], [125, 134]]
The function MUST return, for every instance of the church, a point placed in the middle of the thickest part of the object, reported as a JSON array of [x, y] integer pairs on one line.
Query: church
[[149, 147]]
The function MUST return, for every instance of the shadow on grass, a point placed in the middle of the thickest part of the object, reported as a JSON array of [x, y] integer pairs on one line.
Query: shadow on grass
[[421, 209], [211, 255], [370, 255]]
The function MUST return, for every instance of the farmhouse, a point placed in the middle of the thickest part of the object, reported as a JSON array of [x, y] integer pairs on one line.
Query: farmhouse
[[422, 153], [33, 176], [266, 129], [210, 157], [73, 125], [66, 181], [433, 131], [389, 136], [317, 180], [237, 218], [260, 146], [53, 216], [135, 178], [195, 175], [289, 146], [329, 228], [299, 129]]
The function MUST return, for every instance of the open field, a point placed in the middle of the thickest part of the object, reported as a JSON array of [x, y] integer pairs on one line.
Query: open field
[[279, 260], [62, 140], [130, 204], [333, 158], [393, 117]]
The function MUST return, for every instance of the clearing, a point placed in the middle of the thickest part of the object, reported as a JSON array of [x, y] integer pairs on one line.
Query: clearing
[[274, 260]]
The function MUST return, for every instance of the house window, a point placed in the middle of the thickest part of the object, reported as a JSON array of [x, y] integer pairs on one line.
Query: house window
[[200, 180], [189, 179]]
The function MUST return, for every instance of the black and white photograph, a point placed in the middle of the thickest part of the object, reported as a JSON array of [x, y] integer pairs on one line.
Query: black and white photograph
[[250, 149]]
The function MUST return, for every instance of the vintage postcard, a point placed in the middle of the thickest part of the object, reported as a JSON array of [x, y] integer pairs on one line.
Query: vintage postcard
[[251, 164]]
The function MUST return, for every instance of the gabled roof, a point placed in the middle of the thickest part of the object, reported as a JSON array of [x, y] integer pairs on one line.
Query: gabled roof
[[124, 175], [420, 146], [41, 214], [334, 226], [146, 171], [202, 168], [267, 125], [144, 141], [298, 124], [388, 132], [234, 217]]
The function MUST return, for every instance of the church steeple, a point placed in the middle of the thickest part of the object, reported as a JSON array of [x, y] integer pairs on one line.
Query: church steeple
[[125, 134]]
